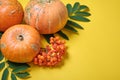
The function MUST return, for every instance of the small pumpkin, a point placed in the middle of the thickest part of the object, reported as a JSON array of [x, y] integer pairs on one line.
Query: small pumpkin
[[47, 16], [20, 43], [11, 13]]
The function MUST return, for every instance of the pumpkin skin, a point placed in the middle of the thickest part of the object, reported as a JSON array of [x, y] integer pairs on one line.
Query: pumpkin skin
[[11, 13], [47, 16], [20, 43]]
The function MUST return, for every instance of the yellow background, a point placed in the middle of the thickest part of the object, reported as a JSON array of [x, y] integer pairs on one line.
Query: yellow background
[[94, 54]]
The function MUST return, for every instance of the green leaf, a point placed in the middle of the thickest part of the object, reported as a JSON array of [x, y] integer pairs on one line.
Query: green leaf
[[70, 28], [13, 77], [2, 65], [76, 7], [82, 14], [20, 69], [5, 74], [1, 56], [15, 65], [47, 37], [1, 34], [80, 18], [69, 8], [83, 8], [23, 75], [63, 35], [74, 24]]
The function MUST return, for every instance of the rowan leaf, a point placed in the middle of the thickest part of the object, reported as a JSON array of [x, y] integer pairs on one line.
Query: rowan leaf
[[74, 24], [2, 65], [80, 18], [23, 75], [83, 8], [20, 69], [1, 34], [1, 56], [75, 7], [69, 8], [82, 14], [13, 77], [5, 74], [15, 65], [47, 37], [63, 35], [70, 28]]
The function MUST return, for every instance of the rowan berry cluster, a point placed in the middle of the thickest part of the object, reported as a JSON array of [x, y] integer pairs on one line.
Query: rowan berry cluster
[[53, 54]]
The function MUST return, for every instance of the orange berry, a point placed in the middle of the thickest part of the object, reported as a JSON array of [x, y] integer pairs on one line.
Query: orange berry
[[58, 42], [58, 54], [49, 64], [44, 54], [53, 54], [51, 41], [59, 60], [40, 64], [48, 57], [54, 59], [40, 61], [35, 61], [42, 58], [58, 47], [54, 46], [38, 56], [51, 38], [57, 38], [51, 60], [49, 53]]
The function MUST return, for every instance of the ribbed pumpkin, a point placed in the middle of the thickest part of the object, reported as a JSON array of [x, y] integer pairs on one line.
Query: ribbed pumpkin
[[20, 43], [11, 13], [47, 16]]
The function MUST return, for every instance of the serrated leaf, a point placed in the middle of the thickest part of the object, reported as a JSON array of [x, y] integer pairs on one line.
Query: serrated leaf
[[83, 8], [23, 75], [80, 18], [13, 77], [5, 74], [1, 56], [63, 35], [74, 24], [20, 69], [70, 28], [47, 37], [15, 65], [1, 34], [76, 7], [69, 8], [2, 65], [82, 14]]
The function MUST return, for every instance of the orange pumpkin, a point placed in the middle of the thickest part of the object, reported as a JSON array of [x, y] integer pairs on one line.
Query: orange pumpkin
[[20, 43], [47, 16], [11, 13]]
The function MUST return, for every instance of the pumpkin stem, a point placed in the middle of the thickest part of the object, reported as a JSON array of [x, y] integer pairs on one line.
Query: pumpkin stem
[[48, 1], [44, 1], [20, 37]]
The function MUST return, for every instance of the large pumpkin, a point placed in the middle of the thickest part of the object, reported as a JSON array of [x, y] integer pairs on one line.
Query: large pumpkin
[[47, 16], [20, 43], [11, 13]]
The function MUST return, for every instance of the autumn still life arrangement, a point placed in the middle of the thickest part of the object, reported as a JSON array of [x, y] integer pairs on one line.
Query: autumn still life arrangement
[[21, 31]]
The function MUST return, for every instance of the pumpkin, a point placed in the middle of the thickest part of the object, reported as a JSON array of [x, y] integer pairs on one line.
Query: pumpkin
[[11, 13], [47, 16], [20, 43]]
